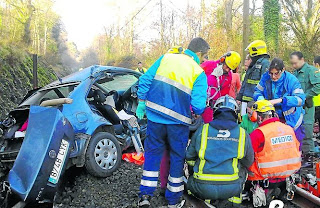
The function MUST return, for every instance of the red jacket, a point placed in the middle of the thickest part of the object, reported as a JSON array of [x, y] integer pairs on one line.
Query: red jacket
[[223, 82]]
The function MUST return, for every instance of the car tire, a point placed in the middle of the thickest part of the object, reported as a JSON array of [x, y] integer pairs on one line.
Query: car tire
[[103, 155]]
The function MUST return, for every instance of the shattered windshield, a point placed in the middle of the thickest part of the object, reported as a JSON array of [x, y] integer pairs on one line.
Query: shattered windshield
[[56, 92], [120, 82]]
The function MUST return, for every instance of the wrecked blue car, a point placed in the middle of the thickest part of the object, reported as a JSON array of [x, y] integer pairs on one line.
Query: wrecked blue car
[[74, 121]]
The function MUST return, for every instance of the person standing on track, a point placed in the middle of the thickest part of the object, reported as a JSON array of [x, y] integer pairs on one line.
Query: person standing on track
[[168, 91], [309, 77]]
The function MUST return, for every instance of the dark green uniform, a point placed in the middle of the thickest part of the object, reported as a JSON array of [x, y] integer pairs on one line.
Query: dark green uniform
[[309, 78]]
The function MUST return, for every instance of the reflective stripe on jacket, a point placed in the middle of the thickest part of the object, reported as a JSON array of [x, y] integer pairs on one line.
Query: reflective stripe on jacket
[[289, 89], [171, 88], [219, 154], [252, 78], [280, 156]]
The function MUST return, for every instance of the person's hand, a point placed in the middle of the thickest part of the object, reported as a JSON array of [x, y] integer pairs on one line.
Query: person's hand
[[141, 109], [276, 101]]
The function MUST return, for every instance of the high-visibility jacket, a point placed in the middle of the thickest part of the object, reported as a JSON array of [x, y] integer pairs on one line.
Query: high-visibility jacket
[[316, 100], [219, 152], [171, 88], [280, 156]]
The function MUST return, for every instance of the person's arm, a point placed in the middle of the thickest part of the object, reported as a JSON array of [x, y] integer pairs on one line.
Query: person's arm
[[145, 80], [191, 153], [238, 84], [296, 97], [257, 140], [248, 158], [314, 77], [259, 89], [199, 94]]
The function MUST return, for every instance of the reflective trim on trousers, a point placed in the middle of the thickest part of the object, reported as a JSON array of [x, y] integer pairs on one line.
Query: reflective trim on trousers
[[149, 183], [175, 180], [235, 200], [299, 122], [298, 91], [279, 163], [288, 172], [173, 83], [260, 87], [175, 189], [245, 98], [168, 112], [150, 173]]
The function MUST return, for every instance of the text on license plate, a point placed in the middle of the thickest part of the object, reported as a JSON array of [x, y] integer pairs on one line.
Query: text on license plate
[[59, 163]]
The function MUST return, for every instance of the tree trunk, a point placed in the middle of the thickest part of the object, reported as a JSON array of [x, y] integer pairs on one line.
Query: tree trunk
[[228, 22], [26, 36], [246, 28]]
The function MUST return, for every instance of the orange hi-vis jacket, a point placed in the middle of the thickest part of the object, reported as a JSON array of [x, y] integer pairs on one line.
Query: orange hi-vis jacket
[[280, 156]]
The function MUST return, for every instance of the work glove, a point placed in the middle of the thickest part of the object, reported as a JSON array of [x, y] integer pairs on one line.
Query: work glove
[[259, 197], [308, 103], [141, 109]]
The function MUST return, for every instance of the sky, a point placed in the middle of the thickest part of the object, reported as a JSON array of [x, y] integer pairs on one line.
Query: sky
[[85, 19]]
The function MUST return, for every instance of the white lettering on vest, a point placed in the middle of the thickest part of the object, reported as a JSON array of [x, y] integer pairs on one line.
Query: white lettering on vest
[[281, 139], [224, 133]]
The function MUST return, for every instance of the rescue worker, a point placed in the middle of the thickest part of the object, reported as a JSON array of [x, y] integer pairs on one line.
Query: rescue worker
[[247, 63], [246, 122], [220, 153], [260, 62], [140, 68], [276, 150], [168, 91], [284, 91], [219, 81], [235, 84], [309, 77]]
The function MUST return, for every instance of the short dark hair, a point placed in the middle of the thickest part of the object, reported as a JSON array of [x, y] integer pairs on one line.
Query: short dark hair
[[139, 62], [317, 60], [250, 104], [277, 64], [299, 54], [198, 45]]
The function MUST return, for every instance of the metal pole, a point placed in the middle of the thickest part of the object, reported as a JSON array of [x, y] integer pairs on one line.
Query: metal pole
[[307, 195], [35, 71]]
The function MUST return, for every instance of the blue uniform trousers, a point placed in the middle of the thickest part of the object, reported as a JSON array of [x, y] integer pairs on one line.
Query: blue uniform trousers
[[159, 137]]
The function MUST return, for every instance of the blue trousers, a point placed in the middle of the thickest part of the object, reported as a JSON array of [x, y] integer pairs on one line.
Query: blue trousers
[[174, 137]]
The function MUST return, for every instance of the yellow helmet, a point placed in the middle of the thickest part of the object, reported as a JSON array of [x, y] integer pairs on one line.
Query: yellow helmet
[[263, 106], [232, 59], [256, 48], [176, 49]]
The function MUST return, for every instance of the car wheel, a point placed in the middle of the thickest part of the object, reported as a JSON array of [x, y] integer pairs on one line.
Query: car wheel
[[103, 155]]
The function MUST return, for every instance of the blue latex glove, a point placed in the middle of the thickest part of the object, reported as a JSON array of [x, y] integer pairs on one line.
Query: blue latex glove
[[141, 109]]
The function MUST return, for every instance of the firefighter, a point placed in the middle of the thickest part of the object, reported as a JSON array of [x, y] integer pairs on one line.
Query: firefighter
[[220, 153], [276, 150], [309, 77], [173, 85], [284, 91], [140, 68], [259, 63]]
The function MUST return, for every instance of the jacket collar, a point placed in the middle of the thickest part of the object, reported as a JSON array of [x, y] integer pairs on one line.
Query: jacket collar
[[303, 68], [192, 55]]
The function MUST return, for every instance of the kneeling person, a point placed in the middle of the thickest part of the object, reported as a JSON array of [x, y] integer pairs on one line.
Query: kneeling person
[[220, 152]]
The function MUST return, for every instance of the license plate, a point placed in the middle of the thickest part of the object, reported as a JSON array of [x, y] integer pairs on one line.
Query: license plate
[[59, 163]]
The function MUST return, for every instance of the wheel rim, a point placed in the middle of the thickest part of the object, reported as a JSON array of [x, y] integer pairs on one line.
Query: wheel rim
[[105, 154]]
